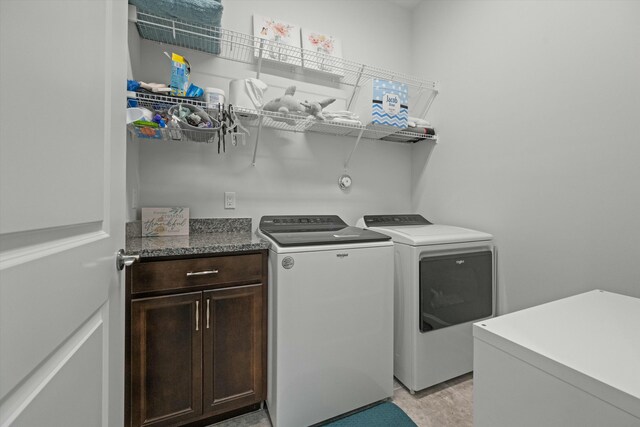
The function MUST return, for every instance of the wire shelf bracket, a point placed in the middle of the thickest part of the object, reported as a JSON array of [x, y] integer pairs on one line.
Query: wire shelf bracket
[[255, 147]]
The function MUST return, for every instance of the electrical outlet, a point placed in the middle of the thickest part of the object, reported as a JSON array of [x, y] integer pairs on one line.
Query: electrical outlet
[[229, 200]]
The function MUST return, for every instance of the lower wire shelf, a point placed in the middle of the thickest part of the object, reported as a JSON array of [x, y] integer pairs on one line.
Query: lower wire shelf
[[268, 120]]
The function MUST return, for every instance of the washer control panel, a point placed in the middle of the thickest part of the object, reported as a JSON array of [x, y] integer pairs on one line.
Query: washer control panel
[[394, 220]]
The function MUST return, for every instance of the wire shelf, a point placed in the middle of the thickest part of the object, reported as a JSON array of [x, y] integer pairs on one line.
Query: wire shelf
[[270, 120], [240, 47], [157, 102], [172, 134], [292, 124], [274, 120], [408, 137], [297, 123]]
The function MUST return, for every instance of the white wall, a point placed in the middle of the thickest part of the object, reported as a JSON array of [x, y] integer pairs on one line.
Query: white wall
[[294, 174], [537, 119], [540, 138]]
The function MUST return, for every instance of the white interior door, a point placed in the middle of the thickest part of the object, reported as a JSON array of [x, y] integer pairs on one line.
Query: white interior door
[[62, 161]]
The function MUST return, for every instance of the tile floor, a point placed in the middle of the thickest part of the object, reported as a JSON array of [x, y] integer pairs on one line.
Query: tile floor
[[449, 404], [445, 405]]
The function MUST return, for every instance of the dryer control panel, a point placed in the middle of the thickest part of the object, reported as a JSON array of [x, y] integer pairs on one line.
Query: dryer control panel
[[394, 220]]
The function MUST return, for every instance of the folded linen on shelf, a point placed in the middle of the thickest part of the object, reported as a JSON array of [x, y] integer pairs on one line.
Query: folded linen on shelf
[[417, 122], [343, 114], [346, 121]]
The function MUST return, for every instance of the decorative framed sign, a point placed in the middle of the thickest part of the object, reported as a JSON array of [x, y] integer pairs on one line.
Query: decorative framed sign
[[284, 34], [165, 221], [322, 52]]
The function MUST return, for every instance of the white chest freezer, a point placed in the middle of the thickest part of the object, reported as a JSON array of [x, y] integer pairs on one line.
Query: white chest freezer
[[571, 362]]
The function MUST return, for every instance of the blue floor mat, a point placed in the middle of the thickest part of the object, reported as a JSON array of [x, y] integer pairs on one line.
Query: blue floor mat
[[383, 415]]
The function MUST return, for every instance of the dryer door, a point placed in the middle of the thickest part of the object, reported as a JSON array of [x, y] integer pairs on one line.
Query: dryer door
[[455, 289]]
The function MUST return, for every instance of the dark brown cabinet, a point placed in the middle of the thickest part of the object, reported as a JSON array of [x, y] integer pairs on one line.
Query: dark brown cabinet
[[166, 348], [233, 363], [196, 345]]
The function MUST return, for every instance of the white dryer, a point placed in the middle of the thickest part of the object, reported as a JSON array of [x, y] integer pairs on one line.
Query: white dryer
[[330, 318], [444, 280]]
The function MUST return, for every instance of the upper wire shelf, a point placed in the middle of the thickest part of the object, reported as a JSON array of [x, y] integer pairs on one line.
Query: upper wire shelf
[[240, 47]]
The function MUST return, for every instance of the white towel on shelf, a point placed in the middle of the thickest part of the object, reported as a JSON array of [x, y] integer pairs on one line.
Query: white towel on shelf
[[417, 121], [346, 121], [344, 114]]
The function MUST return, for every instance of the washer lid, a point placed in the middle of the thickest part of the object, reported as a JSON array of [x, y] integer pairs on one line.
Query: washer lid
[[419, 235], [415, 230], [296, 230]]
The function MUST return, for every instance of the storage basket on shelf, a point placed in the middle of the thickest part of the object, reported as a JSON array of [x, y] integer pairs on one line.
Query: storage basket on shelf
[[195, 133], [188, 23]]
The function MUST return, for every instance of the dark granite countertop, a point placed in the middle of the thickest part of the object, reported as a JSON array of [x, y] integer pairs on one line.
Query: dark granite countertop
[[207, 236]]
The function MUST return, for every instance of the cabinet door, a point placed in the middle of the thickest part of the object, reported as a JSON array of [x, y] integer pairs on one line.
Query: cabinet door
[[166, 359], [234, 348]]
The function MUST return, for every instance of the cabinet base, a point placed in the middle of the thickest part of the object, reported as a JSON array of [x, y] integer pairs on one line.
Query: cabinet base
[[217, 418]]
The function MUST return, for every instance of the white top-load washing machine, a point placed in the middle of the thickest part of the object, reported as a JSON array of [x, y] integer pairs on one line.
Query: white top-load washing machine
[[445, 279], [330, 318]]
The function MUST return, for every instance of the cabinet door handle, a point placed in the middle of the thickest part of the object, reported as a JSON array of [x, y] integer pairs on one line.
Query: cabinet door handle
[[201, 273], [197, 314], [208, 300]]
